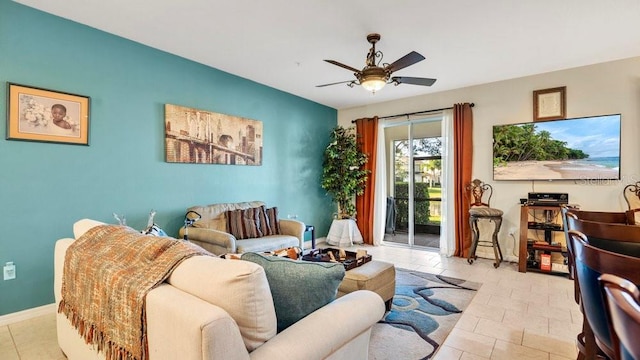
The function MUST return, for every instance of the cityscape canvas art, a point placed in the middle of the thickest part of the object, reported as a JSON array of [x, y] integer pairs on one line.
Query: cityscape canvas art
[[205, 137]]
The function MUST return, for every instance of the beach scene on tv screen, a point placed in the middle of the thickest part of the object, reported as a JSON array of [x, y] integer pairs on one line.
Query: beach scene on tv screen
[[569, 149]]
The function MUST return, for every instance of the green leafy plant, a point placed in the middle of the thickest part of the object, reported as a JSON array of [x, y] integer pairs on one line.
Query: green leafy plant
[[342, 175]]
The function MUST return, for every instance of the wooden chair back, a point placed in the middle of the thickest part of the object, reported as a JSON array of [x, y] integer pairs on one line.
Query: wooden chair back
[[631, 195], [479, 191], [577, 214], [599, 216], [591, 261], [616, 237], [622, 302], [607, 230]]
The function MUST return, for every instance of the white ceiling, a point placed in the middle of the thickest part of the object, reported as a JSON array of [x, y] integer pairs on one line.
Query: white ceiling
[[281, 43]]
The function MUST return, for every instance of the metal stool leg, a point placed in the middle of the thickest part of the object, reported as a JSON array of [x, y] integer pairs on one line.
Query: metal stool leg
[[473, 221], [496, 244]]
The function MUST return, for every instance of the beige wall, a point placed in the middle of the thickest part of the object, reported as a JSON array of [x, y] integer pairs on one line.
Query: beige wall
[[606, 88]]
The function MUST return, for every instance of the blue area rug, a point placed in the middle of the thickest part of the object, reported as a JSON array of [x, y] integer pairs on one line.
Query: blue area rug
[[425, 309]]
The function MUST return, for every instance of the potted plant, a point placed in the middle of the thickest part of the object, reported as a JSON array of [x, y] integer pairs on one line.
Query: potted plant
[[342, 175]]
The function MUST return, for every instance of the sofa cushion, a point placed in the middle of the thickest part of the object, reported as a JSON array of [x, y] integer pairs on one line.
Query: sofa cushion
[[239, 287], [243, 223], [298, 288], [266, 243]]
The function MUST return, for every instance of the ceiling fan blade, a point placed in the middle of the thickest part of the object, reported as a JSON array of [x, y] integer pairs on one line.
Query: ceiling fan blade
[[412, 80], [336, 83], [343, 65], [407, 60]]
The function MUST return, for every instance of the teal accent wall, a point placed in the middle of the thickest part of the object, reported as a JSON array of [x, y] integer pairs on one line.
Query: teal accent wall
[[45, 188]]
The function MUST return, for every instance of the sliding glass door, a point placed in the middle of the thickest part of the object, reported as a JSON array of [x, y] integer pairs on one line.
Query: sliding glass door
[[414, 164]]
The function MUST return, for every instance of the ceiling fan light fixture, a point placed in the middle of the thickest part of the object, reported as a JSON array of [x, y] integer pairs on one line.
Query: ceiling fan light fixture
[[373, 78], [373, 84]]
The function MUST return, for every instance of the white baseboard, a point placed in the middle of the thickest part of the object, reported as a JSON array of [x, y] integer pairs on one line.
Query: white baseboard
[[27, 314]]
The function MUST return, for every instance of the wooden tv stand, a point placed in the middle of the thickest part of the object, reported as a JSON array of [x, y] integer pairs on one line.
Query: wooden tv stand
[[545, 219]]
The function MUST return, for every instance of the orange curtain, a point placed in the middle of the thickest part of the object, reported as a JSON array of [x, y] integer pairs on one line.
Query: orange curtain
[[462, 161], [367, 131]]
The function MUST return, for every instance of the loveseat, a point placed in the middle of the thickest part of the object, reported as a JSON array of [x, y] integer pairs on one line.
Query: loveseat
[[211, 308], [212, 232]]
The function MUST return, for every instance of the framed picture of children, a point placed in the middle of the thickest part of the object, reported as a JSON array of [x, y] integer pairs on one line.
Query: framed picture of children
[[36, 114]]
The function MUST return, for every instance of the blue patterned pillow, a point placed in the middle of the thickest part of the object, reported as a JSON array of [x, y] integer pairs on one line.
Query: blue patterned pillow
[[298, 288]]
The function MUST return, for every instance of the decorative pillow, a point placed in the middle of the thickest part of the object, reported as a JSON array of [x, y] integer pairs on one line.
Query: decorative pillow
[[243, 223], [239, 287], [298, 288], [272, 217], [263, 222]]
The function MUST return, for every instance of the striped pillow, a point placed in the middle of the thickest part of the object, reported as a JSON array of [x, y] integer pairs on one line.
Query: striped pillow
[[272, 217], [243, 223], [263, 222]]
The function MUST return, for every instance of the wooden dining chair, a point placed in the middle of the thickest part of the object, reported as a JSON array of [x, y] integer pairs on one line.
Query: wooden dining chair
[[622, 302], [608, 248], [610, 232], [597, 216]]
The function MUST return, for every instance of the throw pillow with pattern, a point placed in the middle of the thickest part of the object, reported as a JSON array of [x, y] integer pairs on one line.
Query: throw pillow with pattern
[[272, 217], [243, 223], [263, 224]]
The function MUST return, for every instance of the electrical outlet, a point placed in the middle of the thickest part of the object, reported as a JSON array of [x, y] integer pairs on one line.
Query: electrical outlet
[[9, 271], [512, 231]]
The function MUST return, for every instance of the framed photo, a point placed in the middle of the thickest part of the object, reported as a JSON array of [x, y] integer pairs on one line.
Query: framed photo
[[35, 114], [549, 104]]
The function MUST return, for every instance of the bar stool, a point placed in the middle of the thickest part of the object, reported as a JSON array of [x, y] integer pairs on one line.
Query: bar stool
[[479, 210]]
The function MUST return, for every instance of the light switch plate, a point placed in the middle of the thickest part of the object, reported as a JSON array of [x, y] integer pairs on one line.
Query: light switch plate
[[9, 271]]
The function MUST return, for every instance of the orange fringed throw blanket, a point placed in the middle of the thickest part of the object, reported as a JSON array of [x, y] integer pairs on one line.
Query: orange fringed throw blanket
[[107, 274]]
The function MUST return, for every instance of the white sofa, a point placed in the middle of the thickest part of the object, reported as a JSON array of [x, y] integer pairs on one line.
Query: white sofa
[[210, 308], [211, 234]]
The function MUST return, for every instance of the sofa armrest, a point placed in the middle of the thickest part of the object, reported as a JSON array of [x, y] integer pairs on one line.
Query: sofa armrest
[[58, 266], [82, 226], [327, 329], [294, 228], [182, 326], [221, 242]]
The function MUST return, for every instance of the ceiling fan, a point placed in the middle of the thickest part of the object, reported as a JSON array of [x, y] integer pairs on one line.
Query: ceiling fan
[[374, 77]]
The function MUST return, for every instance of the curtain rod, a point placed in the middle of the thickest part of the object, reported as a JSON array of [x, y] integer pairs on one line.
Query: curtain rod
[[415, 113]]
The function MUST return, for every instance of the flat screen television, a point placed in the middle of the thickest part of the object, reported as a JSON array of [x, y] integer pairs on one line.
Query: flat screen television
[[586, 148]]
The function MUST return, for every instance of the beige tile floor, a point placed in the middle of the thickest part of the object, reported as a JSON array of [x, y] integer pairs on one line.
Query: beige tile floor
[[513, 315]]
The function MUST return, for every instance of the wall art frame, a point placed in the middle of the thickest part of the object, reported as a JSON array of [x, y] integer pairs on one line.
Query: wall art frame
[[205, 137], [550, 104], [42, 115]]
